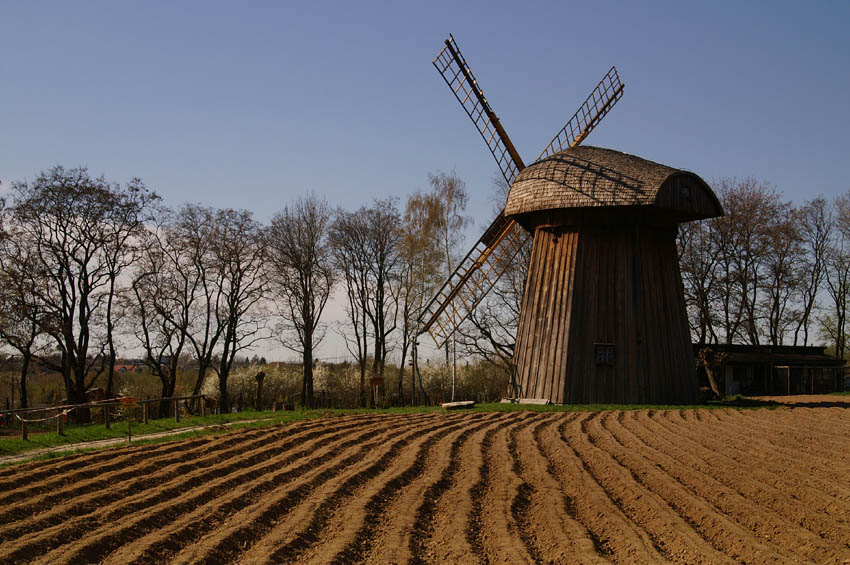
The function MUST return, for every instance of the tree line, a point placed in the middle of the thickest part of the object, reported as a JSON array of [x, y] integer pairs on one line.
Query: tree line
[[768, 272], [89, 266]]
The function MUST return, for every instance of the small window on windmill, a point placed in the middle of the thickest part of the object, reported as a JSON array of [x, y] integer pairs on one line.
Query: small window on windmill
[[684, 191], [604, 353]]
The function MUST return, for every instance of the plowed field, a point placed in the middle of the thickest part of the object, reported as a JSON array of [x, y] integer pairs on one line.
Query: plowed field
[[714, 486]]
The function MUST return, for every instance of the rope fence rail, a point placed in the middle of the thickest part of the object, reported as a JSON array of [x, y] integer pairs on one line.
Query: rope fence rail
[[24, 415]]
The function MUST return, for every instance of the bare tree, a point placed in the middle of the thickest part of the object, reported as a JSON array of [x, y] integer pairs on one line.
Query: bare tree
[[383, 221], [783, 274], [190, 236], [742, 239], [302, 273], [164, 290], [450, 194], [349, 238], [420, 275], [63, 218], [698, 260], [238, 255], [834, 321], [123, 226], [23, 320], [815, 225]]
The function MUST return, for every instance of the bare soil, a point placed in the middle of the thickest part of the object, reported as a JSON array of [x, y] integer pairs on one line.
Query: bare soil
[[688, 486]]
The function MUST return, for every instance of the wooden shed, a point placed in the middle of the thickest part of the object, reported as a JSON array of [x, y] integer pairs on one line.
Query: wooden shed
[[603, 316], [776, 370]]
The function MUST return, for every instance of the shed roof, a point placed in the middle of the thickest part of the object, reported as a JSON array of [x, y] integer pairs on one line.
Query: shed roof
[[592, 177]]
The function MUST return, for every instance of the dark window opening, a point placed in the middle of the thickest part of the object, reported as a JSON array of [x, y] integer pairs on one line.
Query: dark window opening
[[604, 353]]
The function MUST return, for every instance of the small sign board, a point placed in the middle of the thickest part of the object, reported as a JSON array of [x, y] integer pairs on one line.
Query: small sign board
[[129, 402], [376, 381]]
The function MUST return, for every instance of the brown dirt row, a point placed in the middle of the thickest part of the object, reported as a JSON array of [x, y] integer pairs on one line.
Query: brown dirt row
[[776, 429], [308, 542], [423, 520], [146, 473], [587, 501], [764, 445], [671, 531], [807, 432], [259, 467], [804, 508], [689, 486], [86, 514], [248, 517], [767, 483], [386, 532], [729, 522], [551, 522], [140, 479], [352, 534]]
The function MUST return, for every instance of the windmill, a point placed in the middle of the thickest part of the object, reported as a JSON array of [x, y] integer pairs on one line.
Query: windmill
[[602, 316]]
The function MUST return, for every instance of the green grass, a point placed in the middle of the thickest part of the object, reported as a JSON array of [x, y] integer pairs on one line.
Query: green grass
[[75, 434]]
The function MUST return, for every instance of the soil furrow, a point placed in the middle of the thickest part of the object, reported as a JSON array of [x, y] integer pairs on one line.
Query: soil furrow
[[794, 500], [162, 545], [84, 465], [521, 504], [777, 431], [671, 533], [91, 468], [778, 463], [386, 532], [390, 488], [142, 476], [423, 525], [298, 543], [501, 536], [554, 527], [711, 508], [473, 532], [646, 486], [160, 504], [586, 500]]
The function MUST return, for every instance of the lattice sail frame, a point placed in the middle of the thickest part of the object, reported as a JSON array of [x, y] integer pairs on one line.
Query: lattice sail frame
[[487, 261], [476, 274], [600, 101], [453, 68]]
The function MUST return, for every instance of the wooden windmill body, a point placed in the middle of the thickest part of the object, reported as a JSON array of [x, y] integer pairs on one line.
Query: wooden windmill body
[[603, 317]]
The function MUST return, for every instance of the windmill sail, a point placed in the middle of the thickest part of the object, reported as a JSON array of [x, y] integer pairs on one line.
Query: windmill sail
[[494, 252], [453, 68], [601, 100], [476, 274]]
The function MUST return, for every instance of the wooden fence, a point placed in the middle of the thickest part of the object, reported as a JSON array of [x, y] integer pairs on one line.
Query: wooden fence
[[29, 416]]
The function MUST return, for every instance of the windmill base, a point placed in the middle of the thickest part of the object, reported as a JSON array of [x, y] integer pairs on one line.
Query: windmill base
[[603, 318]]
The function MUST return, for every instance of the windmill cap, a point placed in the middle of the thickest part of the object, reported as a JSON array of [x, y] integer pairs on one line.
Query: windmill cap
[[593, 177]]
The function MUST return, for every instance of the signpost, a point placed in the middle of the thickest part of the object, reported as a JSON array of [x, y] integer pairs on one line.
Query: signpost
[[376, 383], [129, 404]]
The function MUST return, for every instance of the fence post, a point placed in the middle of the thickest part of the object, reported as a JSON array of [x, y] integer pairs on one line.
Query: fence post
[[106, 415], [24, 430], [203, 405], [145, 409], [59, 428], [176, 410]]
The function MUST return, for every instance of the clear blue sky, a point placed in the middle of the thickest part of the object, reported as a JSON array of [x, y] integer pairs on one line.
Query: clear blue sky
[[251, 104]]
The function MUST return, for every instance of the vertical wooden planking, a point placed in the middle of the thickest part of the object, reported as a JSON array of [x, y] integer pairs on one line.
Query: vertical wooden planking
[[565, 314], [620, 285]]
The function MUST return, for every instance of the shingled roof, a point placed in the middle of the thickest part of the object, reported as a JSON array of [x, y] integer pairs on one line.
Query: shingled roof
[[588, 177]]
